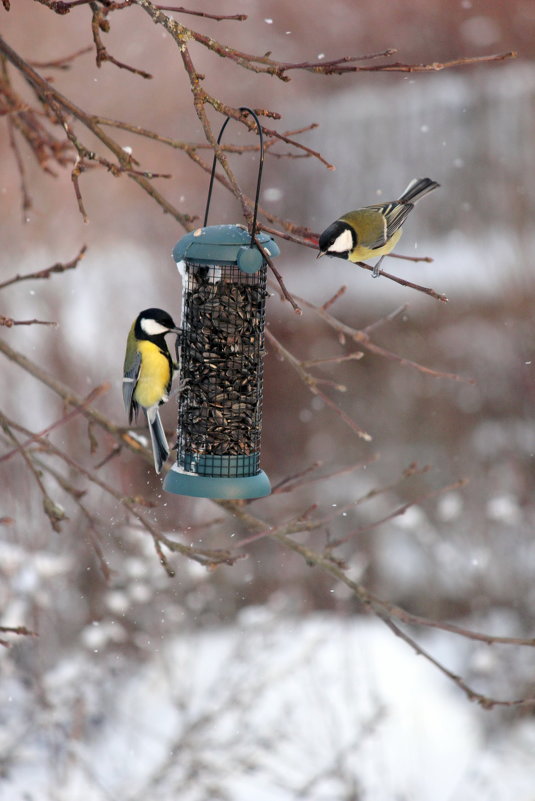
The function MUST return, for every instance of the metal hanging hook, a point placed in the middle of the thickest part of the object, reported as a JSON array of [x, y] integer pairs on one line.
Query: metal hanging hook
[[260, 167]]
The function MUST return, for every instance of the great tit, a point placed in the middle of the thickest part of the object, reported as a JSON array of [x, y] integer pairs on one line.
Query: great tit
[[147, 374], [374, 230]]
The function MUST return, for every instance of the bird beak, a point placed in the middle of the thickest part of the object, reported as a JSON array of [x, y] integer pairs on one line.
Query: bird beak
[[319, 254]]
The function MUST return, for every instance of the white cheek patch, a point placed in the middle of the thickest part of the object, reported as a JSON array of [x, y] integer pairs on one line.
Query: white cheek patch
[[342, 243], [152, 328]]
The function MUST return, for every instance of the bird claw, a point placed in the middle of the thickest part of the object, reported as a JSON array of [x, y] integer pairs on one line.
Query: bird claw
[[376, 272]]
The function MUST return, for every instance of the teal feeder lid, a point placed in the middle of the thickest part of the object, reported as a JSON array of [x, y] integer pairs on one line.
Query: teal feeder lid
[[224, 244]]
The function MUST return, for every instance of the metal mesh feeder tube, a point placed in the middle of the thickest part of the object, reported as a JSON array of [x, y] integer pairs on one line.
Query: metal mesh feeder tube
[[221, 364]]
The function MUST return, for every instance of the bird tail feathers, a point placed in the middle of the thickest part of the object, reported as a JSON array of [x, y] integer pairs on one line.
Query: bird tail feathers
[[160, 447], [417, 189]]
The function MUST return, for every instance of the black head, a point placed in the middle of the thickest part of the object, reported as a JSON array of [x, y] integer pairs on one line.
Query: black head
[[338, 239], [153, 324]]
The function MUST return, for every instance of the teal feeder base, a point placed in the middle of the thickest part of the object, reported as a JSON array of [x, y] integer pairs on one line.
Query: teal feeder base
[[180, 482]]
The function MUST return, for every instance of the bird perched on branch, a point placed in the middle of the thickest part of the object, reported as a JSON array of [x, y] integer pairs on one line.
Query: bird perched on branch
[[147, 374], [374, 230]]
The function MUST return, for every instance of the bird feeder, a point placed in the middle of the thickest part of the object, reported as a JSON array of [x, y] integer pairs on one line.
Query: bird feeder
[[224, 270]]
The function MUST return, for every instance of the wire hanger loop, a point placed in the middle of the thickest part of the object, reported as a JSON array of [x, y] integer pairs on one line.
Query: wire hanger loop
[[260, 168]]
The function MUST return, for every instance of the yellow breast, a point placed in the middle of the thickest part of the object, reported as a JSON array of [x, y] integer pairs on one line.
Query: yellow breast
[[154, 376]]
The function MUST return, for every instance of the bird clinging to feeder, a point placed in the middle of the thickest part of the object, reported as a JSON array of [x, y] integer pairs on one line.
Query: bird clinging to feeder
[[148, 373]]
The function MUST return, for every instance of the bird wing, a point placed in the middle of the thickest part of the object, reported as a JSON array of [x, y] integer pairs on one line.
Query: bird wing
[[381, 221], [374, 228], [130, 377], [396, 214]]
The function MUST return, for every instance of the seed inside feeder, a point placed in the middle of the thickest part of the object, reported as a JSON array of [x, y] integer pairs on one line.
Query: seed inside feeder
[[222, 347]]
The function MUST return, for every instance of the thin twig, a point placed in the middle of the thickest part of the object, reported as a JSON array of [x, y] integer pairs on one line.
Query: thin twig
[[55, 513], [281, 486], [92, 525], [93, 395], [63, 6], [62, 63], [26, 199], [9, 322], [98, 24], [427, 259], [21, 630], [437, 66], [365, 342], [289, 297], [388, 318], [337, 295], [398, 512], [18, 630], [46, 273], [312, 383], [404, 282], [296, 523], [293, 482], [355, 356], [417, 620], [217, 17]]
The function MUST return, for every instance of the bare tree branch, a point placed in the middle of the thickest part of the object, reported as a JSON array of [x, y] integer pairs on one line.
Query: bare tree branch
[[37, 123], [56, 101]]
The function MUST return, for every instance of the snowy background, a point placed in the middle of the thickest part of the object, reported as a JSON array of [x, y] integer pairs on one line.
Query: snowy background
[[322, 708], [265, 680]]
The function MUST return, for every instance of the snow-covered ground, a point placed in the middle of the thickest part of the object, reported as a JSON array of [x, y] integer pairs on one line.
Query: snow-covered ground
[[267, 710]]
